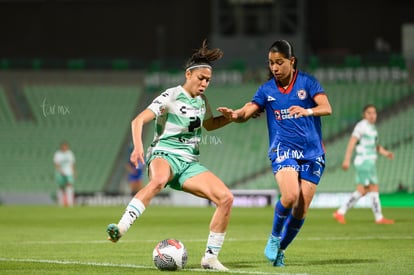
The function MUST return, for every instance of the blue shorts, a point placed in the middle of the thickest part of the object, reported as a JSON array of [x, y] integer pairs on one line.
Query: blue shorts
[[137, 175], [310, 170]]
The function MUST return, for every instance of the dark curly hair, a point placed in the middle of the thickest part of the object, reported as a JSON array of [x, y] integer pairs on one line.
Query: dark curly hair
[[203, 56]]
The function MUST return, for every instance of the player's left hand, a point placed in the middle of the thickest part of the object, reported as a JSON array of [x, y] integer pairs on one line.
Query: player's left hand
[[297, 111], [390, 155]]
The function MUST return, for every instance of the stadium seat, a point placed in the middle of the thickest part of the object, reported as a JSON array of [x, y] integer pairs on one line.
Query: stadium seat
[[94, 119], [99, 120]]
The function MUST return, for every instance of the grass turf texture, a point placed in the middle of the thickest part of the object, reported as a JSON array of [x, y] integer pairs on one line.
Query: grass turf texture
[[52, 240]]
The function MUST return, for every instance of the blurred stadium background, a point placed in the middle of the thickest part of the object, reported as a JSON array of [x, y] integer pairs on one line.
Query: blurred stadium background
[[81, 70]]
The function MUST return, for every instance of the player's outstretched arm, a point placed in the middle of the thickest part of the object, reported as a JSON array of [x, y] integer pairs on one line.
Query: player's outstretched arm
[[214, 123], [240, 115], [384, 152]]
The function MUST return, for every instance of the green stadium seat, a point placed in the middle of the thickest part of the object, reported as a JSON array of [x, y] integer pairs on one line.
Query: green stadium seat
[[4, 64], [100, 116], [96, 125], [76, 64], [120, 64]]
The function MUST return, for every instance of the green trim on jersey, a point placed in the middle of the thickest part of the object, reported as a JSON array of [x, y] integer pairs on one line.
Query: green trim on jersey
[[178, 123]]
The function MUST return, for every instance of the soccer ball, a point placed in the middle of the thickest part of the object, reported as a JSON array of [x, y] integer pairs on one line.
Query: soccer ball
[[170, 254]]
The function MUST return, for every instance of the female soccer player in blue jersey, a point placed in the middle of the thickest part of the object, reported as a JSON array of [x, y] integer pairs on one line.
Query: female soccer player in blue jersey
[[172, 157], [294, 102]]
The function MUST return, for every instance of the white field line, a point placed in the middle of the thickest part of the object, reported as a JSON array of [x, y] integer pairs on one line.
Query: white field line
[[58, 262]]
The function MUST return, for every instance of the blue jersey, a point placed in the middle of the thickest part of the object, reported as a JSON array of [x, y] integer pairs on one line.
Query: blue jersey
[[291, 137]]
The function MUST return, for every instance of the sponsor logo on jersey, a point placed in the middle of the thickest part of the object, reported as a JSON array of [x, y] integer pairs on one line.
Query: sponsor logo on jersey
[[282, 114], [183, 110], [192, 110]]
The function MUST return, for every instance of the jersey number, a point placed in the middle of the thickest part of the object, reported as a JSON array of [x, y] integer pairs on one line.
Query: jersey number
[[195, 123]]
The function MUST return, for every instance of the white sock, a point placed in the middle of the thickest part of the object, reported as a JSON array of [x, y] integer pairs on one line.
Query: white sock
[[59, 197], [214, 243], [376, 206], [350, 203], [70, 196], [134, 210]]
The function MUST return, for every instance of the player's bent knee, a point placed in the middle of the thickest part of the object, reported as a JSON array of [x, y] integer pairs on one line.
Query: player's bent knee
[[289, 200], [227, 200], [158, 182]]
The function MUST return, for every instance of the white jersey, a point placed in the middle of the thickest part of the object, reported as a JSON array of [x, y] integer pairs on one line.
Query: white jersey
[[65, 160], [178, 123], [367, 135]]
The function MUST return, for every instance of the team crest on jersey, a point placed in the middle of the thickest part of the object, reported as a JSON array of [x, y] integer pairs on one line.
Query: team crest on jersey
[[302, 94]]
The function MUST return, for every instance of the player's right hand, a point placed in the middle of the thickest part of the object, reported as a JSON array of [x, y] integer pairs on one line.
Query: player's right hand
[[137, 156], [345, 166]]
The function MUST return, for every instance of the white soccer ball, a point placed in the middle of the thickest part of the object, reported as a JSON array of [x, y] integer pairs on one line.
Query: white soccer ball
[[170, 254]]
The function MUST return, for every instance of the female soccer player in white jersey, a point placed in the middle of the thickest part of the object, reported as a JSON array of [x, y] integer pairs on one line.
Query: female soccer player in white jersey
[[65, 172], [294, 102], [364, 139], [173, 156]]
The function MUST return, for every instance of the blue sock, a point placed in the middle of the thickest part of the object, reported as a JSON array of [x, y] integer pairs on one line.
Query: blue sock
[[292, 228], [281, 213]]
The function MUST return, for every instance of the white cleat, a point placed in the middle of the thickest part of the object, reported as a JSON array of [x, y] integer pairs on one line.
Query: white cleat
[[213, 264]]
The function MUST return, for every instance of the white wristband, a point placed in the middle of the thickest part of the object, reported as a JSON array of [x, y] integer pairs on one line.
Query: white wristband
[[310, 112]]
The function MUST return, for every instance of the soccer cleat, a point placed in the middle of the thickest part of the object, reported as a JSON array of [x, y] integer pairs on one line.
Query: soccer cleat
[[272, 247], [113, 232], [384, 221], [339, 217], [280, 259], [213, 264]]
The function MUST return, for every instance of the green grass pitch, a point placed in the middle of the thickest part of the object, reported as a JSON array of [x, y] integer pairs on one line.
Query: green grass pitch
[[53, 240]]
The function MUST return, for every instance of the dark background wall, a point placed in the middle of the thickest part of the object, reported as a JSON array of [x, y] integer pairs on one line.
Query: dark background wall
[[172, 28], [111, 29], [353, 25]]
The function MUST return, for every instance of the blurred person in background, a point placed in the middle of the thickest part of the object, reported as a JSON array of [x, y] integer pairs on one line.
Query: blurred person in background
[[65, 173], [364, 139], [294, 102], [135, 174], [173, 156]]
